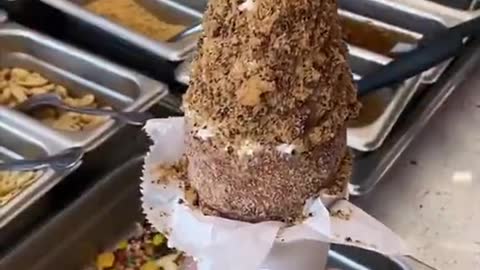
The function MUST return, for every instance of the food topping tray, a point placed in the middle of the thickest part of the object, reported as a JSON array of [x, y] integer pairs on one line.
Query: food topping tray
[[164, 16], [24, 139], [32, 63], [82, 74]]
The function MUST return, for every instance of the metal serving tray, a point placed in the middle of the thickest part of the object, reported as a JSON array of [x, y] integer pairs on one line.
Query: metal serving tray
[[451, 9], [20, 138], [382, 109], [459, 4], [370, 168], [168, 10], [80, 72], [105, 214]]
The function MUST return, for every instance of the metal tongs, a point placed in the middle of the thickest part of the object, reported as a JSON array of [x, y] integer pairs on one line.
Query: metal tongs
[[53, 100], [430, 51], [62, 161]]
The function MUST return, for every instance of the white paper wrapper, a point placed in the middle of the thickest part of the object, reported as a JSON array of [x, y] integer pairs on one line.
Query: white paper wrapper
[[220, 244]]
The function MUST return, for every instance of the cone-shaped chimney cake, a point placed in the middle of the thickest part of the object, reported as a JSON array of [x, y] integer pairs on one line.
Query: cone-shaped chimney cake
[[267, 106]]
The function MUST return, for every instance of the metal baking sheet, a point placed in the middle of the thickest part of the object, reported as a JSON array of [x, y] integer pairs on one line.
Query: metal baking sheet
[[81, 73], [105, 214], [22, 138], [168, 10]]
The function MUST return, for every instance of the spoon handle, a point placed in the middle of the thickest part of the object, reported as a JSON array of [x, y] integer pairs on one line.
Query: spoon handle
[[24, 165], [430, 52], [132, 118], [61, 161], [410, 64]]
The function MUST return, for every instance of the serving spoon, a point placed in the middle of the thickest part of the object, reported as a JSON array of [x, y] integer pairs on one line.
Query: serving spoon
[[431, 50], [61, 161], [53, 100]]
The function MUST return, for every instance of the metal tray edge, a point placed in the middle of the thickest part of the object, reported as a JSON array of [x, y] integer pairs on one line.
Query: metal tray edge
[[173, 51]]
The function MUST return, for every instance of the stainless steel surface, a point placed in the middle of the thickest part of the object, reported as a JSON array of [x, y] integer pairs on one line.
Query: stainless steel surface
[[397, 19], [64, 160], [182, 72], [105, 214], [167, 10], [458, 4], [193, 30], [431, 196], [370, 168], [443, 8], [27, 140], [53, 100], [81, 73], [3, 16]]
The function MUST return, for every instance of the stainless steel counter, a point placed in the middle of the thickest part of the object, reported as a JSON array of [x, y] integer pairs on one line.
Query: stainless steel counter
[[431, 197]]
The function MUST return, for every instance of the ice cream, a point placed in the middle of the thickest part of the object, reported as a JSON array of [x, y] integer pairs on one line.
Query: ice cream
[[267, 106]]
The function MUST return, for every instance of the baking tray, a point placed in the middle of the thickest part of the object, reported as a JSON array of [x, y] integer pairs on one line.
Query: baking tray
[[382, 109], [22, 138], [168, 10], [105, 214], [81, 73]]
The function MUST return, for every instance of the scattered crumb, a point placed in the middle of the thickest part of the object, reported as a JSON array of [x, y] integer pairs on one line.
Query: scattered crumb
[[343, 175], [177, 171], [442, 193], [344, 214], [413, 162], [191, 195], [348, 239], [420, 206]]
